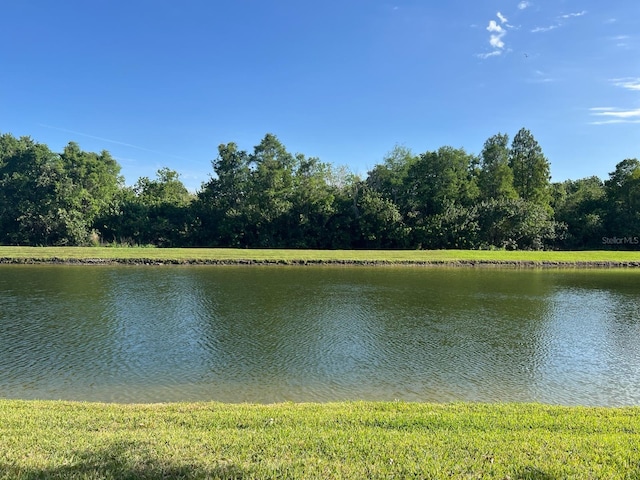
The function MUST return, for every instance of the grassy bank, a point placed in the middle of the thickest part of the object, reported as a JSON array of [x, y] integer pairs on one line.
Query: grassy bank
[[342, 440], [282, 256]]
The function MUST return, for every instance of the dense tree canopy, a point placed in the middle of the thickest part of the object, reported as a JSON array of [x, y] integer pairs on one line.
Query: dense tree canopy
[[270, 197]]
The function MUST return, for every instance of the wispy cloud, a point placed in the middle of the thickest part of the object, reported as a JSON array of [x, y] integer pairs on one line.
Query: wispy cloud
[[621, 40], [541, 77], [495, 53], [571, 15], [523, 4], [622, 114], [544, 29], [628, 83], [560, 21], [611, 115]]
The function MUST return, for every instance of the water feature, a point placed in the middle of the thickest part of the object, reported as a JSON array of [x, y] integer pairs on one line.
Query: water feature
[[270, 334]]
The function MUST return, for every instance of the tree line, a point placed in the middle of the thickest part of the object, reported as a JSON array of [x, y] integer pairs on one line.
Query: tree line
[[269, 197]]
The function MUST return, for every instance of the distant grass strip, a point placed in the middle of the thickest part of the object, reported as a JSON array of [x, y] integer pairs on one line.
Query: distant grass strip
[[289, 256], [340, 440]]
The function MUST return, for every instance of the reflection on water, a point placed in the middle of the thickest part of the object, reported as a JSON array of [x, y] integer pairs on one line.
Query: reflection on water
[[267, 334]]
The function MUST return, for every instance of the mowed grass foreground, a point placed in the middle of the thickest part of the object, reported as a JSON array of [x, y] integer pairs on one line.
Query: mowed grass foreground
[[290, 256], [336, 440]]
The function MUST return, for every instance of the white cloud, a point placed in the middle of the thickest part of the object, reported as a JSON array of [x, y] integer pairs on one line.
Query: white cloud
[[613, 112], [610, 122], [628, 83], [621, 40], [615, 115], [610, 115], [544, 29], [496, 41], [495, 53], [524, 4], [497, 33], [570, 15], [559, 22], [494, 27]]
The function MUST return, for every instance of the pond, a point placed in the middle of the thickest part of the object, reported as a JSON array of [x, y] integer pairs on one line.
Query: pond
[[272, 334]]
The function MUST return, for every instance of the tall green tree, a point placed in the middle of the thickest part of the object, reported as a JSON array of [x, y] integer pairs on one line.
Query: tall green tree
[[495, 177], [271, 191], [531, 169], [222, 204]]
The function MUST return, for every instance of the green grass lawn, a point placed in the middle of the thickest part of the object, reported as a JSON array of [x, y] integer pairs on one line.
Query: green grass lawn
[[336, 440], [186, 255]]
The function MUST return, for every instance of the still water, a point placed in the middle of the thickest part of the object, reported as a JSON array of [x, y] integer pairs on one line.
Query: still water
[[271, 334]]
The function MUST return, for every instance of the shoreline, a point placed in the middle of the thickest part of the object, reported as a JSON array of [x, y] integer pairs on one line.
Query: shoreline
[[462, 263]]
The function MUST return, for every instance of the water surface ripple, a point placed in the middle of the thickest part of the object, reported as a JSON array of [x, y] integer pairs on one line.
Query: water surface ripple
[[271, 334]]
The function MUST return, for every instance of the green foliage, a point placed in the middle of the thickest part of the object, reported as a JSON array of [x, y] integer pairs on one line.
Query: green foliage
[[153, 212], [36, 196], [163, 207], [515, 224], [270, 198], [455, 227], [313, 204], [581, 206], [390, 177], [623, 195], [437, 179], [379, 222], [531, 170], [495, 179], [221, 206], [95, 180]]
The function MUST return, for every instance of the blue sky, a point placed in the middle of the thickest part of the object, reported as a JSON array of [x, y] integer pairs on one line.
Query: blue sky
[[162, 83]]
